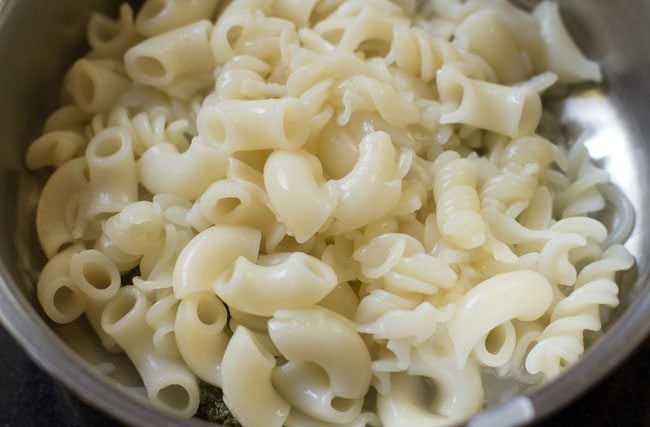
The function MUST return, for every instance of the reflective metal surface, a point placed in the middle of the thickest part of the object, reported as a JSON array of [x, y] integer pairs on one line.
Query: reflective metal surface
[[40, 38]]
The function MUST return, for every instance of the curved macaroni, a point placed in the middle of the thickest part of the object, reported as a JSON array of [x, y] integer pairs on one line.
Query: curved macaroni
[[209, 254], [289, 282], [247, 386]]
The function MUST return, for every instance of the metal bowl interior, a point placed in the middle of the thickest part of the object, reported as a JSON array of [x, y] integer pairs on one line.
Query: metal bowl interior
[[39, 40]]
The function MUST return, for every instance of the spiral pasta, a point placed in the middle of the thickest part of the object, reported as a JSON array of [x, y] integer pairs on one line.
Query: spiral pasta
[[562, 340]]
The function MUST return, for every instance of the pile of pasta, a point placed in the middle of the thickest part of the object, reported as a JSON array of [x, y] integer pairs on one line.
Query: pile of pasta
[[339, 212]]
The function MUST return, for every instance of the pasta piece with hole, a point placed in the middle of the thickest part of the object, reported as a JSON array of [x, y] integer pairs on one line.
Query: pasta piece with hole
[[306, 387], [375, 180], [235, 201], [170, 385], [404, 405], [511, 111], [458, 391], [209, 254], [523, 294], [57, 292], [279, 281], [285, 122], [321, 336], [98, 280], [247, 386], [200, 335], [169, 57], [94, 85], [295, 179], [112, 170]]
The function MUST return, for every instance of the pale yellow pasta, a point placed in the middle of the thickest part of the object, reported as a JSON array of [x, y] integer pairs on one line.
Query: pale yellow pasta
[[459, 389], [96, 277], [559, 52], [379, 302], [147, 132], [112, 172], [235, 201], [296, 179], [339, 212], [336, 66], [299, 419], [68, 118], [168, 57], [339, 256], [242, 77], [158, 262], [200, 335], [342, 300], [374, 181], [95, 85], [403, 331], [498, 346], [508, 110], [340, 151], [174, 208], [298, 11], [54, 149], [209, 254], [163, 169], [285, 124], [122, 260], [247, 386], [160, 317], [56, 290], [361, 93], [404, 405], [108, 37], [135, 228], [457, 203], [256, 325], [562, 340], [159, 16], [98, 280], [524, 295], [60, 215], [297, 334], [287, 281], [307, 387], [483, 34], [170, 385], [554, 261]]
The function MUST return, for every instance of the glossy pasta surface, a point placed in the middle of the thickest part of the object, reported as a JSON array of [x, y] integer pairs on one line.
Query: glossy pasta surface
[[328, 208]]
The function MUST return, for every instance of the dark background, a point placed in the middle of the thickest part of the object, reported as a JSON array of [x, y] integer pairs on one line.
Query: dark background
[[28, 397]]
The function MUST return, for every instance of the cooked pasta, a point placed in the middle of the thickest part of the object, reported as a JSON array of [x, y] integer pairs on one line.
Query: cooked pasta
[[326, 208]]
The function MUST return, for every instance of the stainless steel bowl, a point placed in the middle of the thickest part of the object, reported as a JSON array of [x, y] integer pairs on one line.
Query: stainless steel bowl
[[39, 40]]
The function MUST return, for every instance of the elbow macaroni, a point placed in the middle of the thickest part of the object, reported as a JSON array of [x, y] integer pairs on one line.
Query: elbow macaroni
[[307, 199]]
